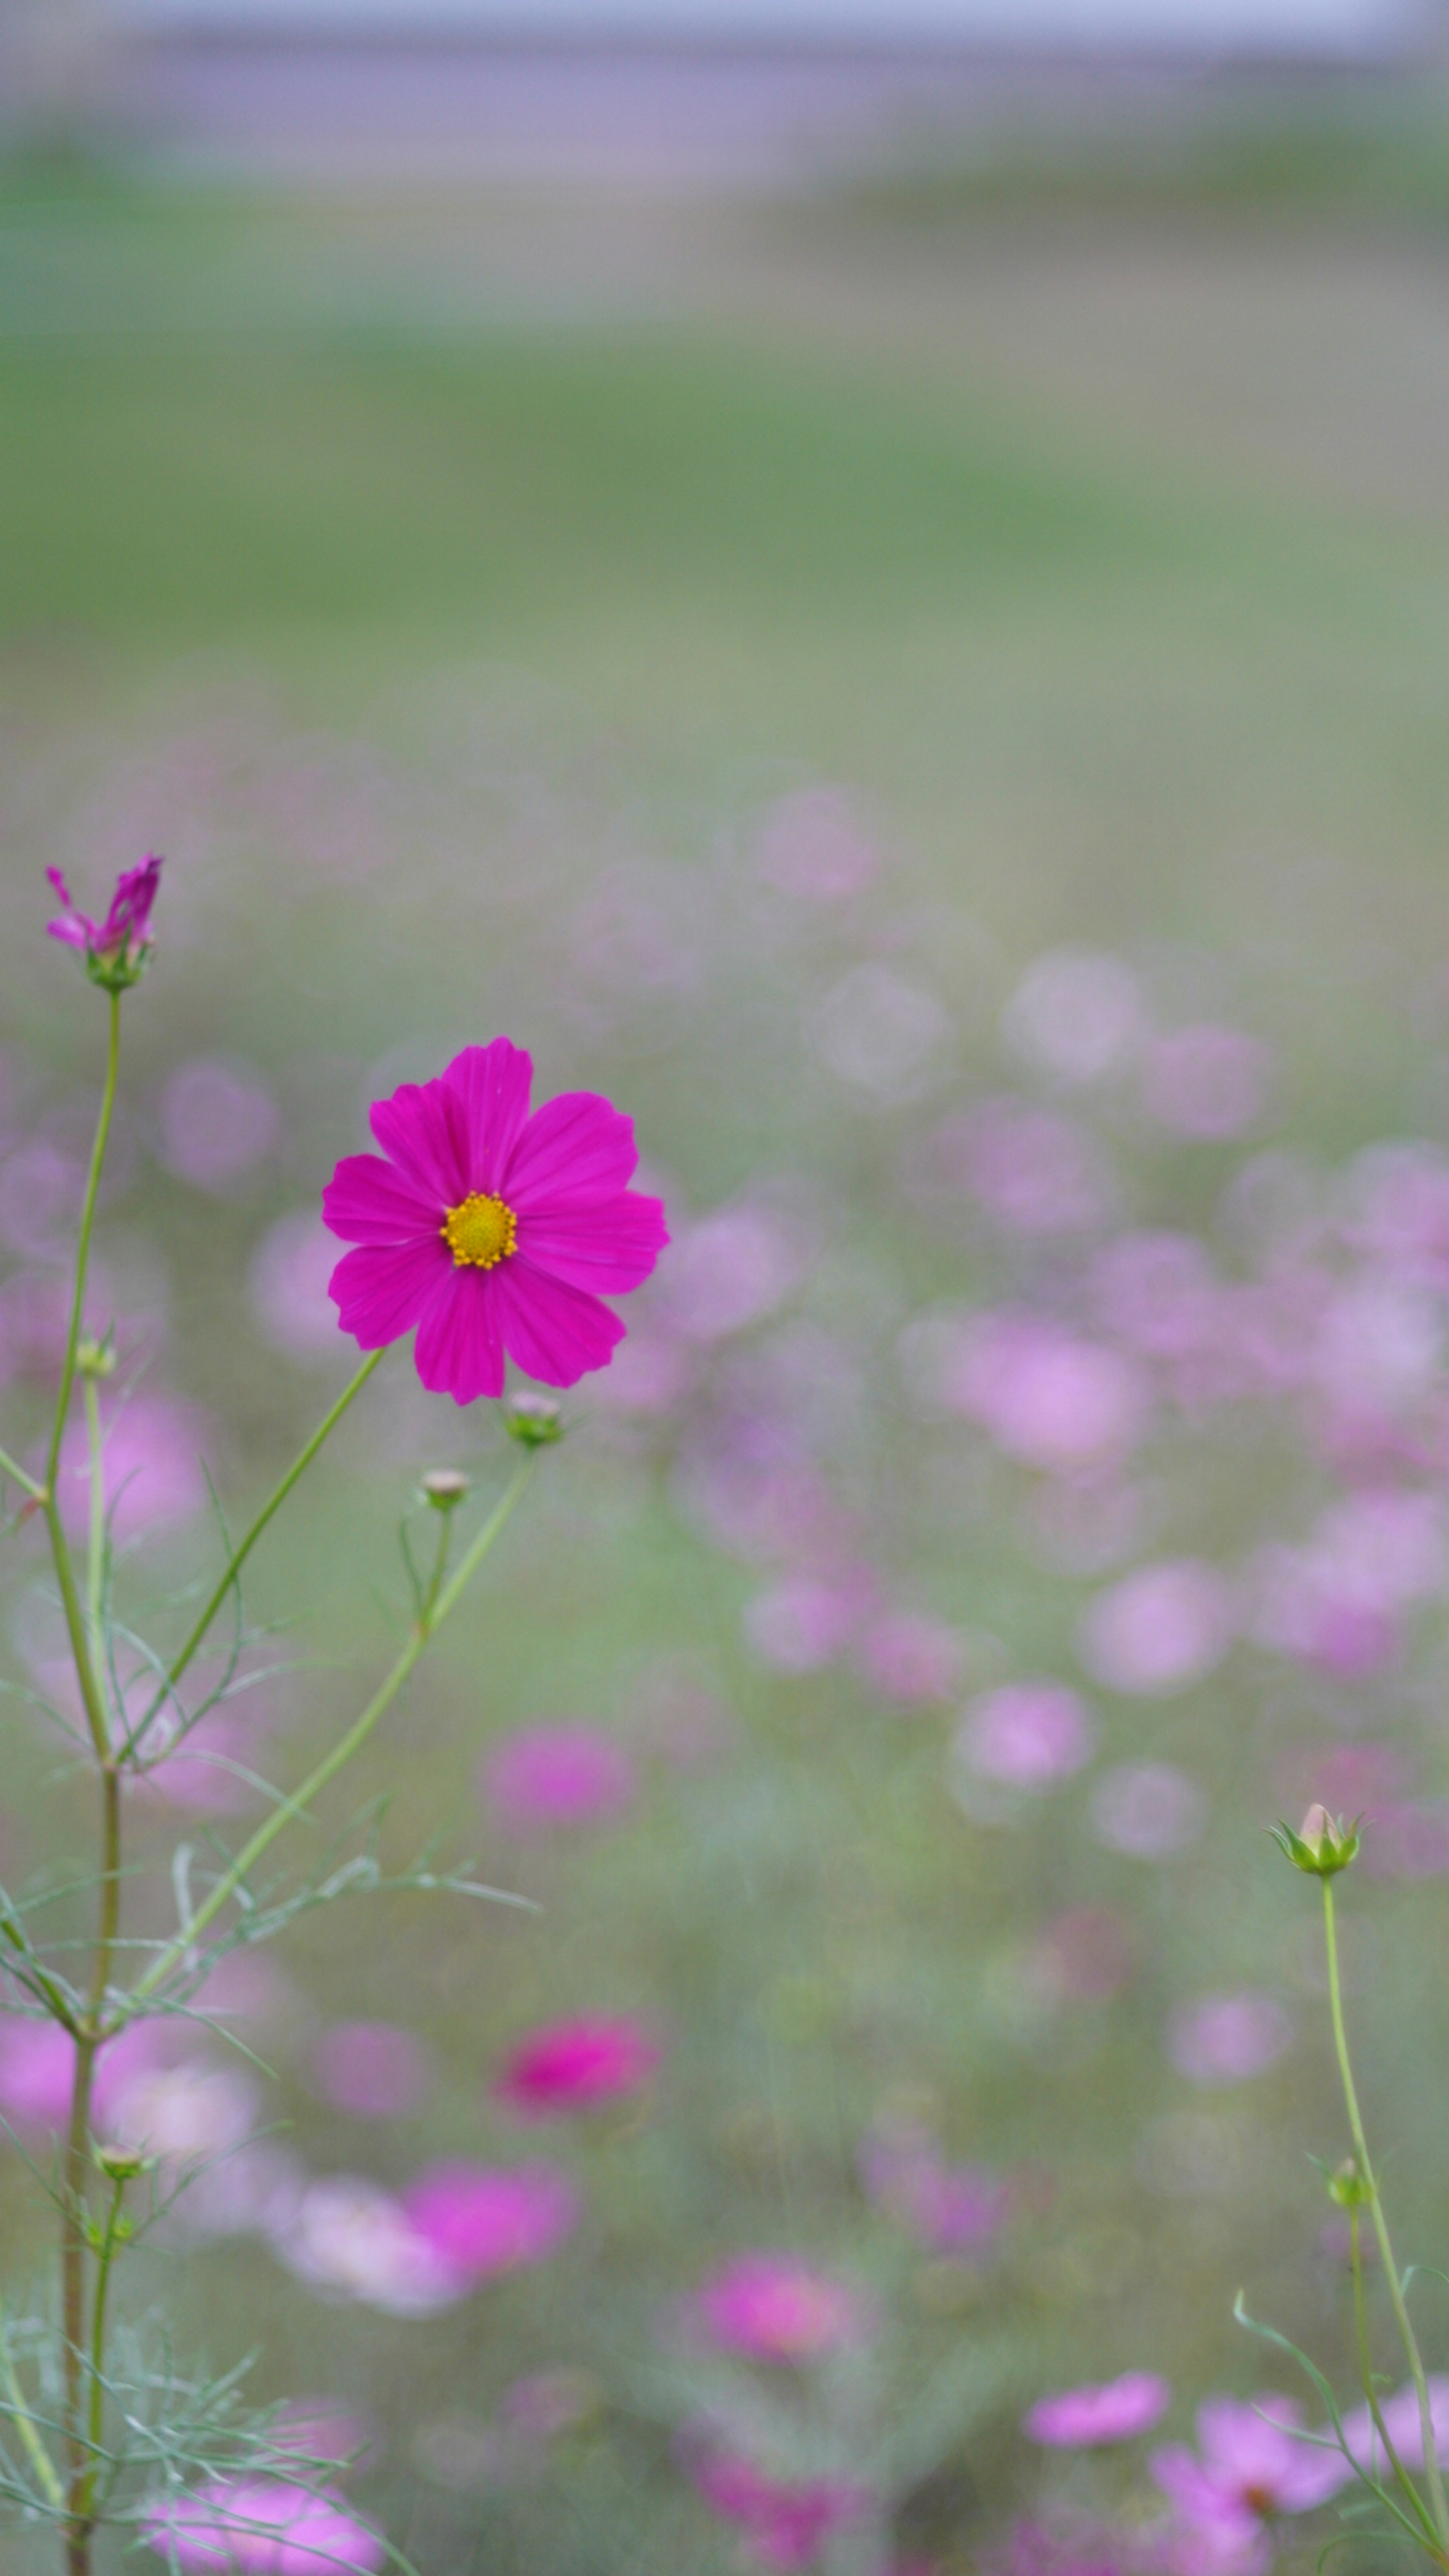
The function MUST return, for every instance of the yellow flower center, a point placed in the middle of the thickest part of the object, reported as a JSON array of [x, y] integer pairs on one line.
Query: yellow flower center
[[481, 1231]]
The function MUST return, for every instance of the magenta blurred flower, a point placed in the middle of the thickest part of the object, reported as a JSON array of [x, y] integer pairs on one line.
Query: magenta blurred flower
[[373, 2069], [1225, 2039], [543, 1777], [349, 2237], [1115, 2410], [1208, 1083], [217, 1120], [1149, 1810], [1045, 1395], [576, 2066], [771, 2307], [1026, 1734], [262, 2527], [153, 1473], [122, 939], [803, 1623], [786, 2522], [287, 1284], [1159, 1630], [911, 1659], [1035, 1172], [490, 1230], [482, 2220], [1251, 2463]]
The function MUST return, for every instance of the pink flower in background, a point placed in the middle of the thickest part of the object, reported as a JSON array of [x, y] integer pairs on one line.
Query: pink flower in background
[[372, 2069], [814, 850], [953, 2209], [786, 2522], [351, 2238], [324, 2428], [1115, 2410], [1251, 2463], [490, 1230], [770, 2307], [153, 1471], [1158, 1293], [1035, 1172], [37, 2069], [1026, 1734], [1082, 1956], [911, 1659], [729, 1270], [1208, 1083], [125, 934], [1071, 2545], [1225, 2039], [1046, 1396], [1077, 1013], [576, 2066], [263, 2527], [1159, 1630], [288, 1282], [544, 1777], [217, 1121], [802, 1624], [1404, 2425], [1149, 1810], [481, 2220]]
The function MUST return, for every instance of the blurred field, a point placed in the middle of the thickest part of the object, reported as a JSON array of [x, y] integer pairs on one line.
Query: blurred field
[[454, 589]]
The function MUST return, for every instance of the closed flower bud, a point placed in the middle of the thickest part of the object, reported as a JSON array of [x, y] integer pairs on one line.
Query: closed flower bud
[[535, 1420], [122, 2164], [96, 1358], [1323, 1844], [445, 1487], [1347, 2187]]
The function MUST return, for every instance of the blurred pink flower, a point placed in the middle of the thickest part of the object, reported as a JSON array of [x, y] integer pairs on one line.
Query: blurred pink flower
[[41, 1193], [1045, 1395], [1149, 1810], [1407, 1841], [1158, 1293], [772, 2307], [910, 1658], [262, 2527], [37, 2068], [786, 2522], [288, 1286], [1071, 2545], [1082, 1955], [953, 2209], [1337, 1603], [1396, 1211], [217, 1120], [1026, 1734], [1077, 1013], [182, 2112], [728, 1270], [1034, 1171], [1404, 2425], [373, 2069], [1115, 2410], [648, 1374], [576, 2066], [544, 1777], [801, 1624], [1207, 1083], [153, 1471], [1251, 2463], [1159, 1630], [347, 2236], [813, 849], [126, 932], [481, 2220], [1224, 2039], [324, 2428]]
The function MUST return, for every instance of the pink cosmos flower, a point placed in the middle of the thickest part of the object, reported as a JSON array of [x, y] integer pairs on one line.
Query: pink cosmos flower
[[954, 2209], [802, 1624], [217, 1120], [125, 934], [263, 2527], [547, 1776], [576, 2066], [1251, 2463], [785, 2523], [1115, 2410], [1025, 1734], [492, 1231], [769, 2307], [1208, 1082], [481, 2220], [1149, 1810], [910, 1658], [1049, 1397], [372, 2069], [1159, 1630], [1225, 2039]]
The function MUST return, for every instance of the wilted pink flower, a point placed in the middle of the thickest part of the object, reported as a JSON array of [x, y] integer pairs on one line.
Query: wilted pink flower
[[576, 2066], [771, 2307], [1035, 1172], [481, 2220], [1026, 1734], [348, 2236], [491, 1230], [802, 1624], [1208, 1082], [153, 1472], [125, 935], [1159, 1630], [910, 1658], [1115, 2410], [1224, 2039], [1251, 2463], [786, 2522], [548, 1776], [372, 2068], [1046, 1396], [262, 2527], [217, 1120], [1149, 1810]]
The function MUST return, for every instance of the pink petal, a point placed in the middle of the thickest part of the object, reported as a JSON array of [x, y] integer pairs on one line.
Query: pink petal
[[554, 1332], [608, 1248], [421, 1128], [577, 1149], [459, 1349], [366, 1202], [73, 932], [493, 1083], [380, 1290]]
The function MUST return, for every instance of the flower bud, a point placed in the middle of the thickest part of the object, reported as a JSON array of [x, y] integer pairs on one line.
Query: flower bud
[[535, 1420], [1323, 1844], [1347, 2187], [445, 1487], [96, 1358], [122, 2164]]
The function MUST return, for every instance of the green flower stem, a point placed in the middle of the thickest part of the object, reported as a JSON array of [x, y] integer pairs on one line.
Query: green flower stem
[[106, 2256], [18, 1476], [239, 1555], [96, 1559], [1433, 2477], [40, 2459], [430, 1618], [1366, 2374]]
